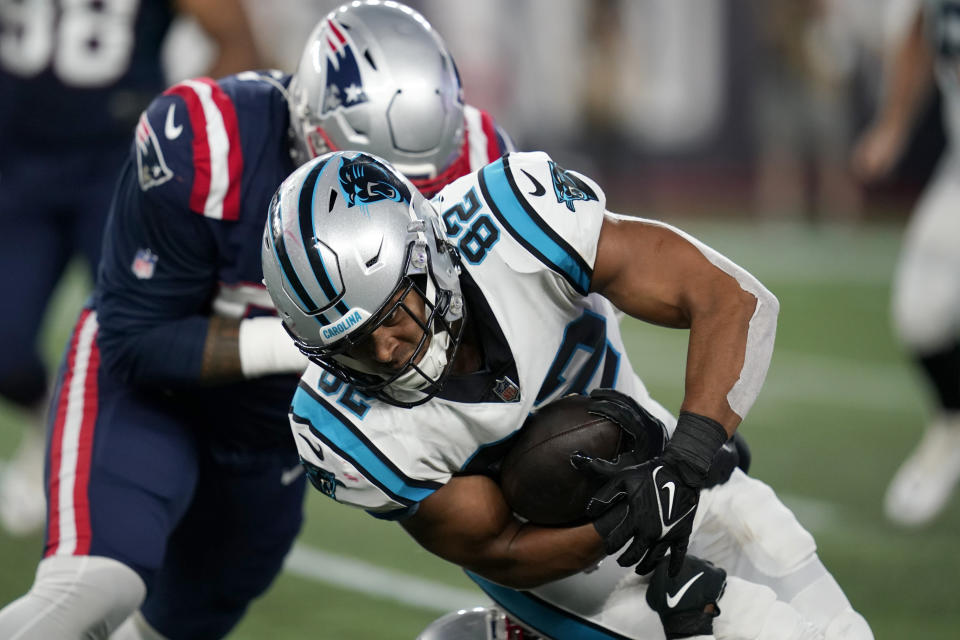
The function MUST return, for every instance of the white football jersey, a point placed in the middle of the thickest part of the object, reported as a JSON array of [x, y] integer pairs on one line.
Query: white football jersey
[[527, 231]]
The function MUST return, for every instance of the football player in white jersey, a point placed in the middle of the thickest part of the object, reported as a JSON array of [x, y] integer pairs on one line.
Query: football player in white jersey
[[926, 288], [435, 327]]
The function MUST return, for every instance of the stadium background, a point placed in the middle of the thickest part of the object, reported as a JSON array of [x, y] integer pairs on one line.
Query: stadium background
[[734, 120]]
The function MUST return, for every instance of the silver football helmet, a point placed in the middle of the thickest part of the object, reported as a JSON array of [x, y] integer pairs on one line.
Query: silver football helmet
[[479, 623], [347, 240], [376, 77]]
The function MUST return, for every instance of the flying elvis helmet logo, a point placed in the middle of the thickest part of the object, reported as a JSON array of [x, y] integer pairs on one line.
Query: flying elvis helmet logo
[[152, 169], [344, 85], [364, 181], [569, 187]]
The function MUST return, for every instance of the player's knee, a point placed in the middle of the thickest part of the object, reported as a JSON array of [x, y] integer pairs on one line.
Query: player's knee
[[925, 312], [921, 330], [848, 625], [770, 535], [85, 596], [686, 602], [750, 611]]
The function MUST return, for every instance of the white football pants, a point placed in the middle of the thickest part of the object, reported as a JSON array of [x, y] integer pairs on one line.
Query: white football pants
[[926, 287], [777, 588]]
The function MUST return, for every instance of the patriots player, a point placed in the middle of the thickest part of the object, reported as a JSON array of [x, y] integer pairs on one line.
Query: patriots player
[[926, 288], [172, 478], [435, 327], [74, 76]]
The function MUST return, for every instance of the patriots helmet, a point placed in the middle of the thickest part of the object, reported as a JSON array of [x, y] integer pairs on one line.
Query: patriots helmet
[[376, 77], [478, 623], [349, 244]]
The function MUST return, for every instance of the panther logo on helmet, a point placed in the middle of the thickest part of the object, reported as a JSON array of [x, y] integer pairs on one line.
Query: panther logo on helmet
[[364, 180], [569, 187]]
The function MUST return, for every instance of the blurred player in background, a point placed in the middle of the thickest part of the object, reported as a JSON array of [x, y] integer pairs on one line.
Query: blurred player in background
[[74, 77], [926, 288], [435, 328], [801, 99], [171, 472]]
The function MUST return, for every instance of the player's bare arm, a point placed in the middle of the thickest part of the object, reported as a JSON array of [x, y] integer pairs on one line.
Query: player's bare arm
[[468, 522], [658, 276], [908, 83], [221, 351], [237, 348], [225, 21]]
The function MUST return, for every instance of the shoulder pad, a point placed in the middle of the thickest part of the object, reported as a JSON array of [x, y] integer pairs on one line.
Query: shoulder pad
[[553, 213], [188, 149]]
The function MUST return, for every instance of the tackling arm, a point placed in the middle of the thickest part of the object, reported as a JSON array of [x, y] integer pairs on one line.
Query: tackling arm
[[468, 522], [157, 330]]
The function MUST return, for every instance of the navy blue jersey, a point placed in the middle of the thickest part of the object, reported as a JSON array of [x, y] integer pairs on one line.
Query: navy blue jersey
[[183, 241], [78, 72]]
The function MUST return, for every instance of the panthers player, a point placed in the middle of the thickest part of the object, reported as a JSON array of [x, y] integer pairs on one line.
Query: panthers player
[[171, 469], [74, 76], [926, 289], [435, 327]]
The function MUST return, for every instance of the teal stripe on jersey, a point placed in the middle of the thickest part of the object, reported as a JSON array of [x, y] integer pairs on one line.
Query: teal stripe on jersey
[[529, 229], [332, 427], [544, 617]]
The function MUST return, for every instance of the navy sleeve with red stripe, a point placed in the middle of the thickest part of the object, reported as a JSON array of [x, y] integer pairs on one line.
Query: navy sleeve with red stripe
[[155, 281], [161, 252]]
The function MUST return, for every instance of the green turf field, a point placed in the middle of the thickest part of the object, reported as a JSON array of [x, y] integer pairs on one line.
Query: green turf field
[[840, 409]]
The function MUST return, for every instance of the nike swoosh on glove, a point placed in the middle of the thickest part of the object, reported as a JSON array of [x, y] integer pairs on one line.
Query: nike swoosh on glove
[[649, 503], [687, 602]]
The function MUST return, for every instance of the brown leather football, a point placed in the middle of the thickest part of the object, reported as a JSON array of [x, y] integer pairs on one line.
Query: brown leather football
[[536, 476]]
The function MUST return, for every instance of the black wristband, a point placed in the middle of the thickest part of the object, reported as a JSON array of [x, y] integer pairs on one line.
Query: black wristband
[[694, 443]]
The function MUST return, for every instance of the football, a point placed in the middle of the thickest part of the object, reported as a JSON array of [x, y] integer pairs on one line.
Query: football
[[536, 476]]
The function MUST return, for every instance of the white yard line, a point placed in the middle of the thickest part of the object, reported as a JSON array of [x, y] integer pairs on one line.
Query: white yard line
[[844, 383], [784, 253], [356, 575], [797, 377]]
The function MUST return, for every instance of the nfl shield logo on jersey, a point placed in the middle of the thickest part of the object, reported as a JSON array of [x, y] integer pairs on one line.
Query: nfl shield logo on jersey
[[506, 389], [144, 264], [152, 169]]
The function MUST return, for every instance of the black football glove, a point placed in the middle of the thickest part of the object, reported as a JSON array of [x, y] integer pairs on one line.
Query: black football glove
[[648, 502], [687, 602], [654, 502], [648, 434]]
